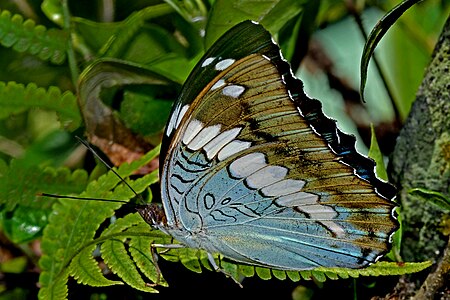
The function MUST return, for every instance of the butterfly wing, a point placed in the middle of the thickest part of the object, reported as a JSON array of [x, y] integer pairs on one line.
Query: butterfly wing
[[255, 171]]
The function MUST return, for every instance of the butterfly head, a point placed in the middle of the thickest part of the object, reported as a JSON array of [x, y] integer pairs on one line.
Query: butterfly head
[[153, 214]]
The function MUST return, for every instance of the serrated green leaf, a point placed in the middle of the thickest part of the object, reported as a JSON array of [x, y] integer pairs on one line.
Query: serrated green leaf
[[51, 288], [189, 259], [231, 269], [278, 274], [319, 276], [306, 274], [21, 183], [263, 273], [119, 261], [25, 36], [377, 269], [293, 275], [141, 253], [16, 98], [73, 224], [247, 271], [84, 268], [205, 261]]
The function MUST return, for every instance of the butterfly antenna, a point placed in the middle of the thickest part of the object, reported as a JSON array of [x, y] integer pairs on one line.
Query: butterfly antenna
[[86, 144], [77, 198]]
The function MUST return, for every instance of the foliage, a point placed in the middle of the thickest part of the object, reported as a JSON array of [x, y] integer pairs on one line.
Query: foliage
[[126, 65]]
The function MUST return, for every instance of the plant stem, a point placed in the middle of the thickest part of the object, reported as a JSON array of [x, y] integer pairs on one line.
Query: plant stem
[[74, 72]]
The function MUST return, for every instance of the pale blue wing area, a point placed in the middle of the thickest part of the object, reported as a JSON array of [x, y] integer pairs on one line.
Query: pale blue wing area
[[246, 226]]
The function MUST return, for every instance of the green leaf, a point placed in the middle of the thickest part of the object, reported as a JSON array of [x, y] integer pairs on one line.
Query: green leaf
[[74, 224], [84, 268], [57, 287], [436, 198], [25, 36], [126, 30], [273, 14], [24, 224], [140, 251], [263, 273], [15, 265], [378, 269], [377, 156], [143, 112], [16, 98], [377, 34], [21, 183], [116, 256], [53, 10]]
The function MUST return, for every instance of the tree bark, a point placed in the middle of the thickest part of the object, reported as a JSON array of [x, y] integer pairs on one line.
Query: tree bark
[[421, 158]]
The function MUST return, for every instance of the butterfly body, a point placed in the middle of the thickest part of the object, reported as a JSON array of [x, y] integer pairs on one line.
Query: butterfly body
[[253, 170]]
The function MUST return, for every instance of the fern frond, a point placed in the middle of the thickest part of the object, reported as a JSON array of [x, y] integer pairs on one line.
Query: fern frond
[[73, 225], [16, 98], [321, 274], [84, 268], [25, 36], [21, 182]]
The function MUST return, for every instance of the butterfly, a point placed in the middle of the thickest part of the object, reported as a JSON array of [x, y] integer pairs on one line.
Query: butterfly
[[252, 169]]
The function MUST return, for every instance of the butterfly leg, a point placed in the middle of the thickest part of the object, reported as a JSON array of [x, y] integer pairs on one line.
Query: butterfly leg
[[155, 258], [218, 269]]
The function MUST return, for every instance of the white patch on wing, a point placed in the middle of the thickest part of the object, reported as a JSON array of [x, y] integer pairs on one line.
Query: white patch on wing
[[234, 91], [173, 120], [208, 61], [204, 136], [297, 199], [258, 174], [191, 131], [324, 215], [232, 148], [266, 176], [283, 187], [216, 144], [218, 84], [223, 64], [308, 203], [181, 115], [247, 164]]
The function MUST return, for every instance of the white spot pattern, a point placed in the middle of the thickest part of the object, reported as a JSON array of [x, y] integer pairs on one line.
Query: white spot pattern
[[258, 174], [208, 61], [215, 143], [247, 165], [175, 118], [232, 148], [233, 90], [223, 64], [218, 84], [191, 131], [204, 136], [266, 176]]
